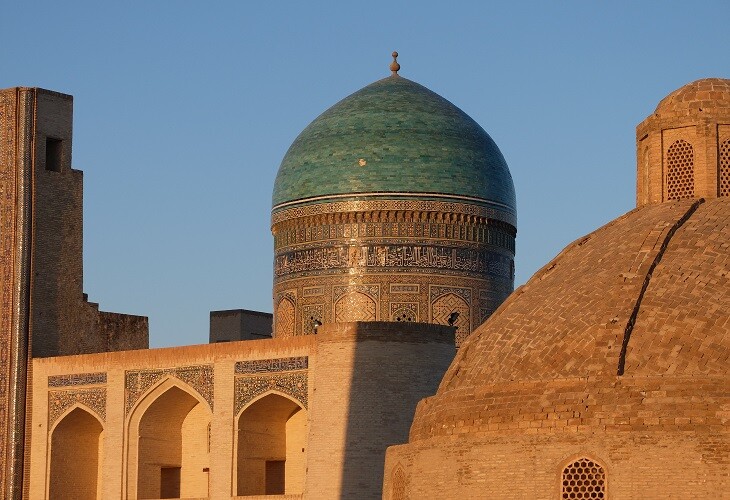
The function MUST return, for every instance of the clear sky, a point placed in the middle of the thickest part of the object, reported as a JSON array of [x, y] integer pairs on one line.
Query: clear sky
[[184, 110]]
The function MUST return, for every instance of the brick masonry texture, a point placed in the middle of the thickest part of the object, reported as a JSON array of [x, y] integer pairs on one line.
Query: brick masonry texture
[[361, 382], [537, 384]]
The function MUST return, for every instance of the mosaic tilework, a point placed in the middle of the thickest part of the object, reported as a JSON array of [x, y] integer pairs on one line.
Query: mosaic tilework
[[60, 401], [404, 311], [272, 365], [355, 306], [310, 313], [392, 256], [403, 231], [396, 205], [77, 379], [199, 377], [7, 271], [292, 384], [449, 153]]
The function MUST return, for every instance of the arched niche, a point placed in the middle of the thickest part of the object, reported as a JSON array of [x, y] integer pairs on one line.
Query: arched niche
[[271, 447], [168, 444], [76, 451], [355, 306]]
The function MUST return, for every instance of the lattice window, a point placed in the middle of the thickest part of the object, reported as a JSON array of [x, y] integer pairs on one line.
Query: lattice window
[[680, 181], [399, 485], [583, 479], [285, 317], [723, 180]]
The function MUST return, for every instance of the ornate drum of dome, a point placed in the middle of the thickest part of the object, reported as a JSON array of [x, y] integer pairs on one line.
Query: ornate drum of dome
[[393, 205], [605, 376]]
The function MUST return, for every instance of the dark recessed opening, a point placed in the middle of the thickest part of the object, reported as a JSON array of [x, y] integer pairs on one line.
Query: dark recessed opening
[[54, 154]]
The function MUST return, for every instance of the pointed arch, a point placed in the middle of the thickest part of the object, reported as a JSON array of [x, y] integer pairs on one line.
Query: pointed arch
[[270, 446], [583, 478], [355, 306], [444, 305], [76, 455], [285, 318], [398, 481], [167, 448]]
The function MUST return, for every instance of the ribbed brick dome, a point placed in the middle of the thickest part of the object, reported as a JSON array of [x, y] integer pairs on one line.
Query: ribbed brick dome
[[394, 138], [701, 95], [647, 295]]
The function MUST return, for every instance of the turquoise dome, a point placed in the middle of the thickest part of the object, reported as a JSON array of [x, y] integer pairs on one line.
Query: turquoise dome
[[394, 139]]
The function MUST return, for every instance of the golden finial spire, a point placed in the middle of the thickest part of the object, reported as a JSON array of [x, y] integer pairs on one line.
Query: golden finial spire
[[394, 66]]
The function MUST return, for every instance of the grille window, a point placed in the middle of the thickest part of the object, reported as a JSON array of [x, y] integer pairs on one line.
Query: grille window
[[583, 479], [723, 181], [680, 182]]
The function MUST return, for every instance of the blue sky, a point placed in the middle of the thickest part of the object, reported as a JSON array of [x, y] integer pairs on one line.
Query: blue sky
[[184, 110]]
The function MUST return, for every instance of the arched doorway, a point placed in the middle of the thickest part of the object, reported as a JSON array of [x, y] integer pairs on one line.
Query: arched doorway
[[76, 450], [271, 447], [172, 451]]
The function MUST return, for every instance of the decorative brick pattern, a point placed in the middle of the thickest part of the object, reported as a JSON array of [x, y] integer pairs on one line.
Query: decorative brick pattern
[[248, 388], [444, 306], [404, 311], [60, 401], [310, 313], [584, 479], [272, 365], [77, 379], [285, 318], [680, 171], [355, 306], [7, 269], [137, 382]]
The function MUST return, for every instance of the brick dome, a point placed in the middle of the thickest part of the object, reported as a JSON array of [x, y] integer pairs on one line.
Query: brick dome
[[615, 354], [705, 95], [570, 320]]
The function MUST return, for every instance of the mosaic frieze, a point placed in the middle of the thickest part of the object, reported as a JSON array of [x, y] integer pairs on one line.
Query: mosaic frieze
[[397, 205], [397, 288], [313, 291], [199, 377], [76, 379], [381, 258], [394, 232], [248, 388], [272, 365], [60, 401]]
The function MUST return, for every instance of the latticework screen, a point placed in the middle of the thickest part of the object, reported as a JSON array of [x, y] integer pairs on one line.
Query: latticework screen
[[680, 180], [584, 479]]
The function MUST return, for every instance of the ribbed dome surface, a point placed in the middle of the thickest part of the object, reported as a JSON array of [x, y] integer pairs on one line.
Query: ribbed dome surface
[[663, 267], [705, 95], [394, 137]]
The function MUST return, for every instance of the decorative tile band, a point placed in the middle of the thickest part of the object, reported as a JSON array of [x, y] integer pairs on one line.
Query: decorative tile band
[[272, 365], [380, 205], [248, 388], [60, 401], [199, 377], [389, 257], [77, 379]]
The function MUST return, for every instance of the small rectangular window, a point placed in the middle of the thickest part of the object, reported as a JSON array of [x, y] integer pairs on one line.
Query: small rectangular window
[[54, 154]]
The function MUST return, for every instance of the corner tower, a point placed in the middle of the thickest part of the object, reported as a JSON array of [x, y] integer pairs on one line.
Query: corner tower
[[393, 205], [683, 149]]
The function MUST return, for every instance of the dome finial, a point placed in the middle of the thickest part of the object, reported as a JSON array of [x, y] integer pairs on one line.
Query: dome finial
[[394, 66]]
